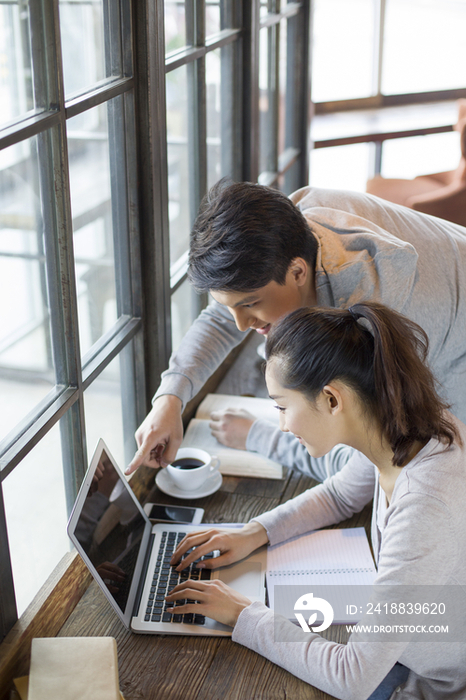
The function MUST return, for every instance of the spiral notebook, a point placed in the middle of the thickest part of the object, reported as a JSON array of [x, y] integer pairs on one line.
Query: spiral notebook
[[323, 562]]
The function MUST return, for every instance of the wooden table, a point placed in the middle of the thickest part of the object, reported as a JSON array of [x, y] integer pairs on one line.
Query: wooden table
[[169, 667]]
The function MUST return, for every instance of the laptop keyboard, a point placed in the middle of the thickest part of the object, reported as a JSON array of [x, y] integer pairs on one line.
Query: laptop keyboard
[[165, 578]]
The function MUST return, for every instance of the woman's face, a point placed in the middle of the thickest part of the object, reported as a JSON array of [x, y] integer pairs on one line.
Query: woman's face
[[313, 423]]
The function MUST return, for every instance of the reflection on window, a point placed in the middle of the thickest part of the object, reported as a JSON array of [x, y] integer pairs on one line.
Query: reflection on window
[[178, 161], [267, 98], [35, 508], [181, 313], [341, 167], [424, 46], [212, 17], [26, 364], [283, 66], [342, 62], [420, 155], [16, 78], [88, 148], [103, 408], [219, 78], [81, 27], [175, 25]]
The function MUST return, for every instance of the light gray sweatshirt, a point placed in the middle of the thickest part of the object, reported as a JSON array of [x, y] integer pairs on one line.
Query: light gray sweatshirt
[[368, 249], [423, 542]]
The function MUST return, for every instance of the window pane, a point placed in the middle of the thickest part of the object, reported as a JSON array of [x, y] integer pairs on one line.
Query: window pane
[[105, 401], [267, 6], [341, 167], [219, 90], [175, 25], [267, 100], [342, 62], [212, 16], [182, 312], [178, 161], [420, 155], [18, 94], [36, 514], [26, 365], [88, 148], [424, 46], [87, 57], [283, 63]]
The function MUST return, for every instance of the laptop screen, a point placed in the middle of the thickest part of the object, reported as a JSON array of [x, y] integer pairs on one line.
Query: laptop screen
[[109, 528]]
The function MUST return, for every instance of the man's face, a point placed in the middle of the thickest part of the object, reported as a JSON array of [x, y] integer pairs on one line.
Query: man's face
[[260, 308]]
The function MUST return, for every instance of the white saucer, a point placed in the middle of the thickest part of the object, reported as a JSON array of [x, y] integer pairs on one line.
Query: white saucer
[[165, 484]]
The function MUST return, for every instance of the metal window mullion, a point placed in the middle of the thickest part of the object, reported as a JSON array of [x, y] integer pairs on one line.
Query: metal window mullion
[[230, 98], [8, 609], [197, 119], [134, 229], [102, 93], [235, 18], [62, 297], [250, 80], [298, 101], [120, 218], [38, 29], [153, 187], [273, 69], [27, 128], [56, 202], [112, 37], [197, 127], [34, 427], [379, 36]]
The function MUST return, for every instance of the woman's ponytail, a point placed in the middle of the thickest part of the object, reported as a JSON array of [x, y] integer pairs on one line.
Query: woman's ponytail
[[380, 354], [408, 405]]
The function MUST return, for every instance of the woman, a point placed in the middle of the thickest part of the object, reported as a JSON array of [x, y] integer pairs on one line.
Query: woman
[[357, 377]]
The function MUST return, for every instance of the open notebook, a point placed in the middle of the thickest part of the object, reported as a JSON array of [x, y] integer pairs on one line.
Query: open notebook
[[326, 563], [233, 462]]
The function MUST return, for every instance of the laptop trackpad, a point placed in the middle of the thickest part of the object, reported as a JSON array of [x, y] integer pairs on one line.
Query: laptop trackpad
[[244, 577]]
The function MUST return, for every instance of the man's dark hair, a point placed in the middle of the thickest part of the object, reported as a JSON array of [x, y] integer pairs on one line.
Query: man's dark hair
[[245, 236]]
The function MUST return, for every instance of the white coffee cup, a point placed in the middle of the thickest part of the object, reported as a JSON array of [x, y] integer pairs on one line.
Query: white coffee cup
[[191, 468]]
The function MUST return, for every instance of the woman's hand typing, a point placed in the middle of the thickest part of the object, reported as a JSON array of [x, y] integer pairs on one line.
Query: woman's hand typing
[[233, 545], [214, 599]]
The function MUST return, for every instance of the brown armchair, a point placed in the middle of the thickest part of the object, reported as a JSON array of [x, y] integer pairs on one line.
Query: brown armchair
[[438, 194]]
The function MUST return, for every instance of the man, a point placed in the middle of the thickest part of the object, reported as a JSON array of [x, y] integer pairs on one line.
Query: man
[[261, 255]]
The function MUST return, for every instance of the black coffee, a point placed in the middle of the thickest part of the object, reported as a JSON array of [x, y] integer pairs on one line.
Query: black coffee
[[187, 463]]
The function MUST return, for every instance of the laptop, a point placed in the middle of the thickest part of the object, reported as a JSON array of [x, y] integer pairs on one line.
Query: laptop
[[129, 556]]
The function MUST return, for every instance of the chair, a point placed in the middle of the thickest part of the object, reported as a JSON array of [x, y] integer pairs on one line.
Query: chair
[[439, 194]]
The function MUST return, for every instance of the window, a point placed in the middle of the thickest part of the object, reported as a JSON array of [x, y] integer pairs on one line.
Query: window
[[71, 327], [115, 118], [236, 78], [400, 57]]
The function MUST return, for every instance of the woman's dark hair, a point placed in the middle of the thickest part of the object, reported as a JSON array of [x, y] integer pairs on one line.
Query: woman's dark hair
[[383, 360], [245, 236]]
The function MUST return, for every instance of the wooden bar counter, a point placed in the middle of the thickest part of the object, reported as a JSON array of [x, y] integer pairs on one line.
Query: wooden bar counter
[[172, 667]]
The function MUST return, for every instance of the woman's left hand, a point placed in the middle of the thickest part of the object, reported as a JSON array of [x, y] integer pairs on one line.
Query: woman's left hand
[[215, 600]]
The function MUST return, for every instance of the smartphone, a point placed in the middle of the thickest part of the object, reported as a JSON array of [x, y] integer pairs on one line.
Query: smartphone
[[158, 513]]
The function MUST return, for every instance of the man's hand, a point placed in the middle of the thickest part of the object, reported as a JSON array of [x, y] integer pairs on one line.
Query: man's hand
[[159, 435], [231, 427]]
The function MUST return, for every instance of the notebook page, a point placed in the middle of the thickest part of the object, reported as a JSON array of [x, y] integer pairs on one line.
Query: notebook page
[[333, 551], [318, 561]]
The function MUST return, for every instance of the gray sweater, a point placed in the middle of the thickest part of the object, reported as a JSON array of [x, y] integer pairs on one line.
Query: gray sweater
[[368, 249], [424, 542]]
